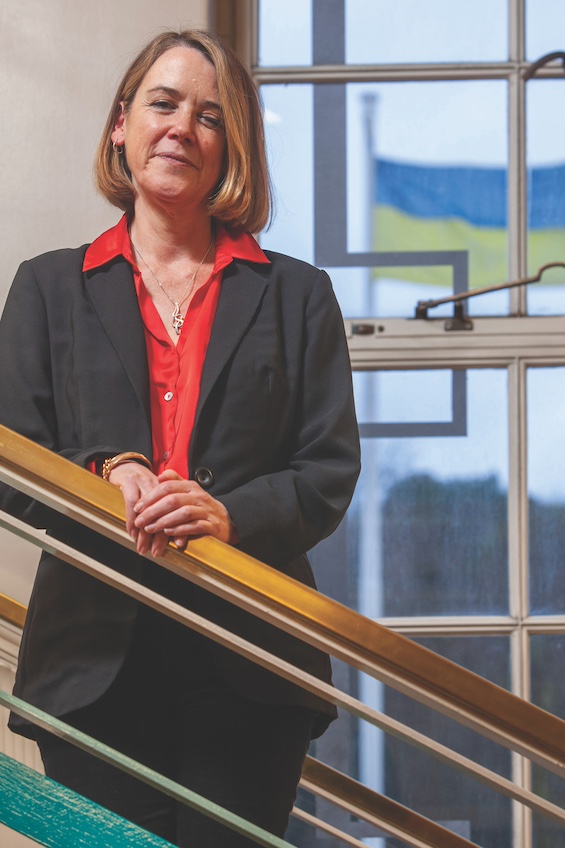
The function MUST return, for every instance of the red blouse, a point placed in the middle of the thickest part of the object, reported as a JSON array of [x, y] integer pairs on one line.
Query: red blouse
[[175, 371]]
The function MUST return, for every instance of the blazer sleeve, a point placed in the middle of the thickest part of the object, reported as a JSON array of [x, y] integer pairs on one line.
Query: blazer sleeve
[[285, 513], [27, 389]]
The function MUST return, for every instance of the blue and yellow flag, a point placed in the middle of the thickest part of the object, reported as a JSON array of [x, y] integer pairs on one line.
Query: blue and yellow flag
[[437, 207]]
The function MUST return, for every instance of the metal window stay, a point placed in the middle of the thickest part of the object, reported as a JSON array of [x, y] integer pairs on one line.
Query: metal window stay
[[460, 320]]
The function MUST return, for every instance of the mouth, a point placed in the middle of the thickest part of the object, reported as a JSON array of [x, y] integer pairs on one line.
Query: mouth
[[175, 158]]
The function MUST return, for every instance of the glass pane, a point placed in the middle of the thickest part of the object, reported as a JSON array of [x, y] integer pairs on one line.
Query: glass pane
[[426, 533], [548, 692], [382, 32], [434, 31], [290, 138], [545, 23], [444, 795], [423, 168], [285, 35], [546, 488], [404, 396], [546, 193]]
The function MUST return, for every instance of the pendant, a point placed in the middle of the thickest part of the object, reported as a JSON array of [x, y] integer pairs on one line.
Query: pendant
[[178, 320]]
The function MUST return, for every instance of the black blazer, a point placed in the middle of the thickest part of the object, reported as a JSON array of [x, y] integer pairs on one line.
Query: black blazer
[[275, 427]]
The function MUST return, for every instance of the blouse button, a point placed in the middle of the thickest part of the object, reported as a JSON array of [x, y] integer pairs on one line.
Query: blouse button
[[168, 396]]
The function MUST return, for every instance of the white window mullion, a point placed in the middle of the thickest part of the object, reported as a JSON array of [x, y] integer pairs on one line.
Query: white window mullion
[[523, 837], [518, 494], [517, 182]]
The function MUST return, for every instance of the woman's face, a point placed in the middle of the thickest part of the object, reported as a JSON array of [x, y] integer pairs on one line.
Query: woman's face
[[173, 133]]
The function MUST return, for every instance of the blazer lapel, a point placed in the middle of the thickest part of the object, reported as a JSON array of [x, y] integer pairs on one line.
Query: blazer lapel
[[113, 296], [241, 294]]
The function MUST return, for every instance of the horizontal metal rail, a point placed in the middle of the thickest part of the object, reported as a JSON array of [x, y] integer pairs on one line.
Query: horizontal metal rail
[[297, 609], [332, 789], [364, 803], [308, 818]]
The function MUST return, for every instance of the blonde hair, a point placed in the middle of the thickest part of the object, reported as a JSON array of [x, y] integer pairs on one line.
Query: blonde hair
[[243, 195]]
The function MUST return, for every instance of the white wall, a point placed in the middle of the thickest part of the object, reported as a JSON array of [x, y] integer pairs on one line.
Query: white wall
[[60, 61]]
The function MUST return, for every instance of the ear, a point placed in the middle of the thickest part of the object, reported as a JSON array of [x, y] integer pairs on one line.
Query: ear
[[118, 133]]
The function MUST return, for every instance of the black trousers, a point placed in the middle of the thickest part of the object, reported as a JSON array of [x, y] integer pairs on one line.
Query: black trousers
[[171, 710]]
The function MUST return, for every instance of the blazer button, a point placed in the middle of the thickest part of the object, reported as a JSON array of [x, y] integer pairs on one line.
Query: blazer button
[[204, 477]]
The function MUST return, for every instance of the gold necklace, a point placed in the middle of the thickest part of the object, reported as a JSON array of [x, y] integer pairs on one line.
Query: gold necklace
[[177, 319]]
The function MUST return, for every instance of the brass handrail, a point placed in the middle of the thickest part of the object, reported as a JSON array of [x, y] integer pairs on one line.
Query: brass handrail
[[12, 611], [224, 570]]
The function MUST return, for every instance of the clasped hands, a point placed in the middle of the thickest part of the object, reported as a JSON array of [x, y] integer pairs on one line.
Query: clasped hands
[[168, 508]]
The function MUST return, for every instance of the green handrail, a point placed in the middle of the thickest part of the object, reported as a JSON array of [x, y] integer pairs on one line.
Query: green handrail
[[141, 772], [54, 816]]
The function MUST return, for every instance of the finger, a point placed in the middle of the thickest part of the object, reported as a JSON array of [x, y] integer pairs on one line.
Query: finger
[[130, 499], [144, 542], [167, 488], [170, 474], [190, 529], [180, 505], [133, 481], [159, 544], [209, 519]]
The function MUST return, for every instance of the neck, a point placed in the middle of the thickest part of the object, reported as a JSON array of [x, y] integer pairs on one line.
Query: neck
[[167, 237]]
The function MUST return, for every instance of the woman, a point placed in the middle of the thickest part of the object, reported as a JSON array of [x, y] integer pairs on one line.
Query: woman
[[210, 381]]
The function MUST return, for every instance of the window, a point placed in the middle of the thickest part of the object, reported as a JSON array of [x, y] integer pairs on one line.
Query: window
[[417, 152]]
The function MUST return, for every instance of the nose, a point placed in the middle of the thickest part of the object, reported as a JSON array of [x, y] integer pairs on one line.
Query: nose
[[183, 126]]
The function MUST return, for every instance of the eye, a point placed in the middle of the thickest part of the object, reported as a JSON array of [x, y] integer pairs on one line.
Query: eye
[[211, 121], [162, 105]]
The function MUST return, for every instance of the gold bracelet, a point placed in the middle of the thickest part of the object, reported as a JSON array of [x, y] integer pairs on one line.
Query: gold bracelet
[[129, 456]]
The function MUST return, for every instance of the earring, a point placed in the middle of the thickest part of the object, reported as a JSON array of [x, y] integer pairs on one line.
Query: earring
[[117, 148]]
